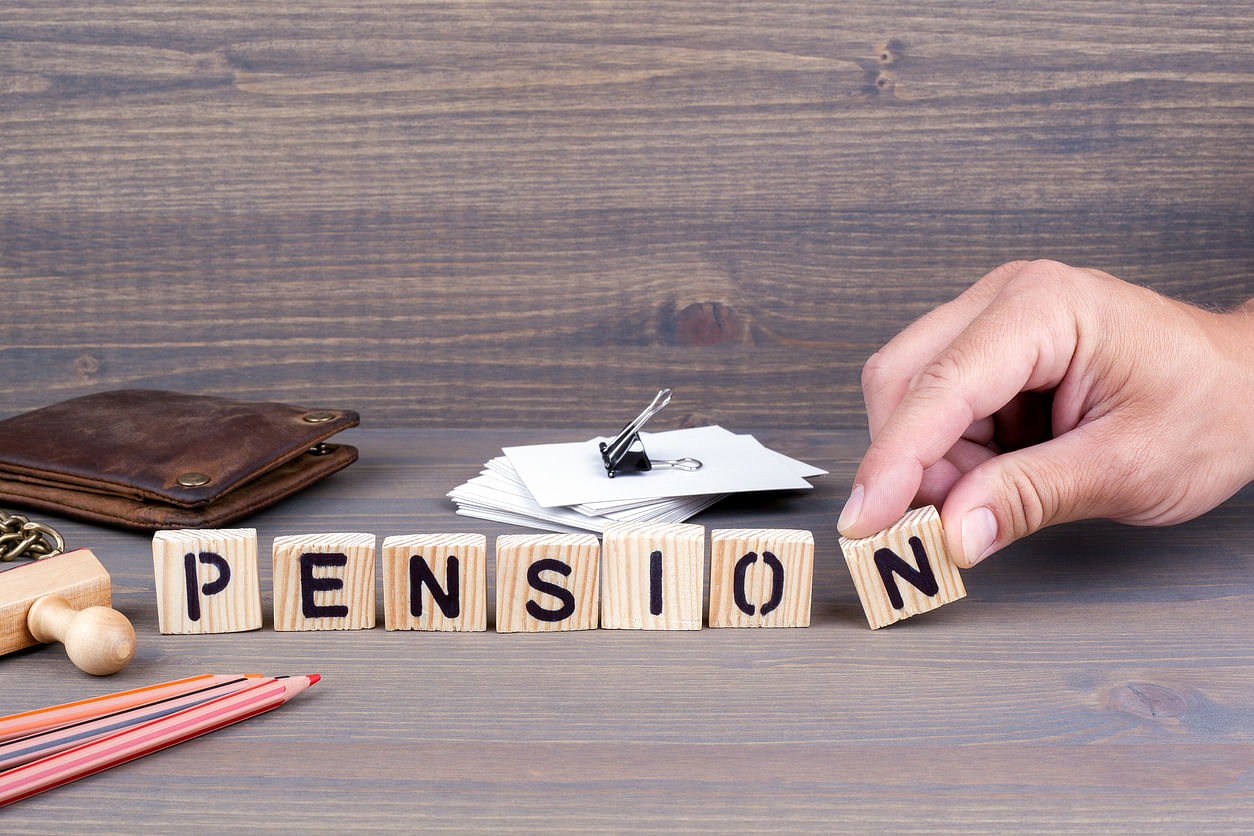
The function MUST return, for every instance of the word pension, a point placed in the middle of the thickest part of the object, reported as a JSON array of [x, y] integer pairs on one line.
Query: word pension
[[642, 577]]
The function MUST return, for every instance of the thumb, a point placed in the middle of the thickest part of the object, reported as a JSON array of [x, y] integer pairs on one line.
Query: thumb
[[1016, 494]]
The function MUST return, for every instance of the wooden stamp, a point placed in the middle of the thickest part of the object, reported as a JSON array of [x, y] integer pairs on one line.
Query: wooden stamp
[[435, 582], [207, 580], [652, 576], [547, 582], [761, 577], [324, 582], [904, 570], [65, 598]]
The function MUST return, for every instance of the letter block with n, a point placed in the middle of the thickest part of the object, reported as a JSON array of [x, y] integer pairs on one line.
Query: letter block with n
[[435, 582], [207, 580], [904, 570]]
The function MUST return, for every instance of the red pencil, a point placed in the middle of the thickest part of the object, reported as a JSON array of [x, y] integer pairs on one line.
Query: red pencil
[[146, 738]]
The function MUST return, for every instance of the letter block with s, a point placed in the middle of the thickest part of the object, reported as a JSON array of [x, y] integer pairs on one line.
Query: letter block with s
[[547, 582]]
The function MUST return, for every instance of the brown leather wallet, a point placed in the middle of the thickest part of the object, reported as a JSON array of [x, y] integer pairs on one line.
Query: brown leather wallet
[[149, 459]]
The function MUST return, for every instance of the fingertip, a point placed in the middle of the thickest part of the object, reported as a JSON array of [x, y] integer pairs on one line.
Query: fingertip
[[883, 489], [849, 515]]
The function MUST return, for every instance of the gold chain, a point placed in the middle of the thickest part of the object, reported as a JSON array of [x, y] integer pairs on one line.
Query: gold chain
[[19, 537]]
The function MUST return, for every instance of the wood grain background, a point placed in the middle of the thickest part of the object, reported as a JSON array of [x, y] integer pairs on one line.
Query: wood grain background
[[537, 213]]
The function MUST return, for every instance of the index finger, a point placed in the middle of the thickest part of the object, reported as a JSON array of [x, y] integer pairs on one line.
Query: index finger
[[1020, 342]]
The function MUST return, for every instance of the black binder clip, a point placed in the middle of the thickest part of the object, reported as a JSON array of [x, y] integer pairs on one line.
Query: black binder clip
[[626, 454]]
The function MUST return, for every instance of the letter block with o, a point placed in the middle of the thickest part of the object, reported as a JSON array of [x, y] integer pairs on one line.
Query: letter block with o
[[435, 582], [547, 582], [904, 570], [207, 580], [324, 582], [761, 577]]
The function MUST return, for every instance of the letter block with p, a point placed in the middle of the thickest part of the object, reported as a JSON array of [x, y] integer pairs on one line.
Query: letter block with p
[[207, 580], [904, 570]]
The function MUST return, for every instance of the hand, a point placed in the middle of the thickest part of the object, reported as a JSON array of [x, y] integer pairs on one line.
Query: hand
[[1046, 393]]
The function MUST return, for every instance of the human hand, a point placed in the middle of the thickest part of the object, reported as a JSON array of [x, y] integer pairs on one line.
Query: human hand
[[1046, 393]]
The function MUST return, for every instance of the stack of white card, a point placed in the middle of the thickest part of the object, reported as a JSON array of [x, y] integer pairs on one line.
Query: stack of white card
[[564, 487]]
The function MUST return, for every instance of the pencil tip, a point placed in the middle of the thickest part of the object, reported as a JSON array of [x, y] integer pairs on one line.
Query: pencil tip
[[313, 677]]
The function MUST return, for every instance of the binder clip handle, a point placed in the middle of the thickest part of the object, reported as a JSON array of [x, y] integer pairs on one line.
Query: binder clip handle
[[626, 453]]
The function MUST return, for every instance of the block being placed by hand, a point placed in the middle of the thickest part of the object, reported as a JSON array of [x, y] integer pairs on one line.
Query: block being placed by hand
[[547, 582], [761, 577], [653, 576], [904, 570], [324, 582], [207, 580], [435, 582]]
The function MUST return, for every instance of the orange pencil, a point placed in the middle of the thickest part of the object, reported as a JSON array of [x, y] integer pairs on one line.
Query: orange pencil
[[146, 738], [42, 719], [50, 741]]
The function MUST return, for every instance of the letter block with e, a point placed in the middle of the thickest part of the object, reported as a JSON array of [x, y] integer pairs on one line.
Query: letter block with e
[[904, 570], [324, 582], [547, 582], [435, 582], [207, 580], [761, 577]]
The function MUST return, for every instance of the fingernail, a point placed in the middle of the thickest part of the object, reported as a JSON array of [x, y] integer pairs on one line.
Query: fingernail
[[979, 531], [852, 510]]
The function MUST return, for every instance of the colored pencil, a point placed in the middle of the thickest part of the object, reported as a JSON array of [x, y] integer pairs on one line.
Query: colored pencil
[[146, 738], [42, 719], [41, 744]]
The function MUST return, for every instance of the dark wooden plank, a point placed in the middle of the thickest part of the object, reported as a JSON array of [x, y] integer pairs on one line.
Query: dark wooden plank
[[414, 208], [1096, 677]]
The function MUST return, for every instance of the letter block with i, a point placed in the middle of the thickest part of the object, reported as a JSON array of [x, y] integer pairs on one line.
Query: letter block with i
[[761, 577], [435, 582], [904, 570], [324, 582], [547, 582], [652, 576], [207, 580]]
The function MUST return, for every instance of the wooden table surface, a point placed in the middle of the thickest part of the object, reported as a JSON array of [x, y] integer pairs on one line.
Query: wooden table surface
[[1097, 678]]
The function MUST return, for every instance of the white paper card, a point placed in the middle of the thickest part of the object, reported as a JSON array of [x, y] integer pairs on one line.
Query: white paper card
[[573, 474]]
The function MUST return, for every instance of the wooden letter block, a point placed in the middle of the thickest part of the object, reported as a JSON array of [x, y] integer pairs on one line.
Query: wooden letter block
[[324, 582], [435, 582], [547, 582], [904, 570], [761, 577], [207, 580], [653, 576]]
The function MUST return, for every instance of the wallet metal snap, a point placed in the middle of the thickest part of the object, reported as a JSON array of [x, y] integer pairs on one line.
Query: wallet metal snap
[[318, 417]]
